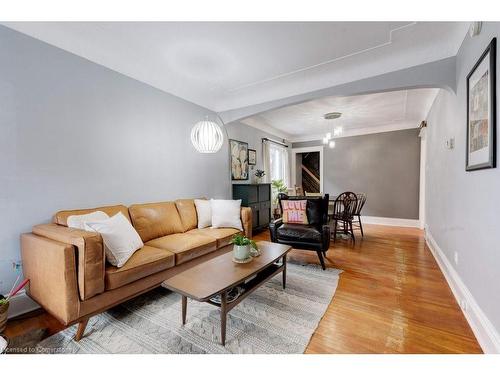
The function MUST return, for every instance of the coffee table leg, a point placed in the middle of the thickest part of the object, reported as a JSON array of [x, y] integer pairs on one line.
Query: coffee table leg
[[284, 271], [184, 308], [223, 317]]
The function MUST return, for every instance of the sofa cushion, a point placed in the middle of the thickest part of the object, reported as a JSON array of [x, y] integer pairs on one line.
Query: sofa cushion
[[299, 232], [187, 212], [61, 217], [222, 235], [142, 263], [186, 246], [154, 220]]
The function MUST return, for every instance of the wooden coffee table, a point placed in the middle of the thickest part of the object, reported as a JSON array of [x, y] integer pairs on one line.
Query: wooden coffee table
[[218, 275]]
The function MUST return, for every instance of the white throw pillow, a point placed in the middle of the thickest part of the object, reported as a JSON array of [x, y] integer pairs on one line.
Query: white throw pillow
[[119, 236], [78, 221], [226, 213], [204, 212]]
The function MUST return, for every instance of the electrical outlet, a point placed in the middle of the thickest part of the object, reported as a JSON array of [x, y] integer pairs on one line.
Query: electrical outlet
[[450, 143], [456, 258]]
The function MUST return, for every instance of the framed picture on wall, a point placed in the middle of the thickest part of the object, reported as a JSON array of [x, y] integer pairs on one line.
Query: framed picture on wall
[[481, 112], [252, 157], [239, 160]]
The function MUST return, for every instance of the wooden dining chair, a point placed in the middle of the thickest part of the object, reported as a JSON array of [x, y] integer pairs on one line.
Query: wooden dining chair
[[343, 213], [357, 212]]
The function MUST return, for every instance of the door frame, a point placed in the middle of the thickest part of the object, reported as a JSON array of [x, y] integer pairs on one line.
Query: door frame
[[301, 150]]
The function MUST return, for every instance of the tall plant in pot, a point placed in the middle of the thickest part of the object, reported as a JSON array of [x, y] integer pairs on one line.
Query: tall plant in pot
[[243, 248], [4, 308], [278, 187], [5, 301]]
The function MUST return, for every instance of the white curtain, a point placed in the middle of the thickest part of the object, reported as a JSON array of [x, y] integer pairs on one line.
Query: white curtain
[[266, 158], [275, 159]]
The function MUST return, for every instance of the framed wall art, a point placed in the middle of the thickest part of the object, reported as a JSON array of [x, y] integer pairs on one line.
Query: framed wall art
[[252, 157], [481, 112], [239, 160]]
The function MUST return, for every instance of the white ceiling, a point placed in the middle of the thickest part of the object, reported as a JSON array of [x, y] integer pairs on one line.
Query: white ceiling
[[223, 66], [361, 114]]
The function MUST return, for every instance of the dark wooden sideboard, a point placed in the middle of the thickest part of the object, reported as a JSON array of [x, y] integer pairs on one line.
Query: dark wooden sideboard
[[258, 198]]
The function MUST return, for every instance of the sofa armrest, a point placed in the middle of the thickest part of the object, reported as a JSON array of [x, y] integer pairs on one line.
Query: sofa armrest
[[246, 220], [51, 268], [325, 237], [273, 227], [90, 258]]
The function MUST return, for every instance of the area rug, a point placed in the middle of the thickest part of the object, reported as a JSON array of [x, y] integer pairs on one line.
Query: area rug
[[271, 320]]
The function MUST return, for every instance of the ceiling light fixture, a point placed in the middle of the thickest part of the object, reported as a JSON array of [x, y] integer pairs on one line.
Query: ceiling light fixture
[[207, 137], [332, 115], [337, 131]]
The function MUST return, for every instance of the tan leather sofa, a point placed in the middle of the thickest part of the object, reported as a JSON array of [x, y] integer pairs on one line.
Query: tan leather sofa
[[70, 278]]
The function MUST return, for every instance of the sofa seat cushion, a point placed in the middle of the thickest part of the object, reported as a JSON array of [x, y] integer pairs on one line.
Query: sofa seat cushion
[[144, 262], [222, 235], [299, 232], [185, 246]]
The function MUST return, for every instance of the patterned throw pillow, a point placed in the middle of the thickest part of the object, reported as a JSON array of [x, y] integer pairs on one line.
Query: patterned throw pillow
[[294, 211]]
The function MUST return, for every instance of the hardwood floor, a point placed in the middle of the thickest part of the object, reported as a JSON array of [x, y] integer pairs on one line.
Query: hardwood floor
[[391, 298]]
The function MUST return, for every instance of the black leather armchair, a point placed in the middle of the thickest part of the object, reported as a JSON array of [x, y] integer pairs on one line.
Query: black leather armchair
[[314, 236]]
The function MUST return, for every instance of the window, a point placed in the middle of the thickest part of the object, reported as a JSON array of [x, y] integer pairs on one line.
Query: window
[[278, 162]]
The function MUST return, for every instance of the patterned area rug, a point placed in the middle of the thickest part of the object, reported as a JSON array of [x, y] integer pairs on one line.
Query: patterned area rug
[[271, 320]]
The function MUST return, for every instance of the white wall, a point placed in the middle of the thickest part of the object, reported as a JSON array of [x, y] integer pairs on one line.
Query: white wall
[[463, 208], [74, 134]]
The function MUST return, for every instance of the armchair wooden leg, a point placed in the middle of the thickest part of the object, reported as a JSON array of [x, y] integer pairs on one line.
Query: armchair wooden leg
[[81, 329], [321, 260]]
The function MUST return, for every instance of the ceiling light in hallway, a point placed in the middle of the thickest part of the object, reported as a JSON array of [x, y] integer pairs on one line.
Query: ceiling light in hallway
[[332, 115], [337, 131]]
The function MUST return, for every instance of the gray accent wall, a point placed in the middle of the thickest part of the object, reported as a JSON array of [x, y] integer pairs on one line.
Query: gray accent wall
[[462, 208], [75, 134], [385, 166]]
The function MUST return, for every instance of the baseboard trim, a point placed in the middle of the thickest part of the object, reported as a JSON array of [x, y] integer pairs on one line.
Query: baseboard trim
[[390, 221], [486, 334], [21, 304]]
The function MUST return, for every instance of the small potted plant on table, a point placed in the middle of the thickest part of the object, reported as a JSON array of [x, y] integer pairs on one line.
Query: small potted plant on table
[[243, 248]]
